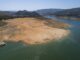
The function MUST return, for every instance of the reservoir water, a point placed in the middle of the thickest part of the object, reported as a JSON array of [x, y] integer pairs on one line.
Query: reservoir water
[[65, 49]]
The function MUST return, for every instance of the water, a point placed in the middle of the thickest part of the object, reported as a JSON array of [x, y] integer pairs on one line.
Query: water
[[66, 49]]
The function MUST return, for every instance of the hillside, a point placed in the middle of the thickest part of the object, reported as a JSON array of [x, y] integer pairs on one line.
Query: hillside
[[18, 14], [25, 13], [48, 11], [74, 12]]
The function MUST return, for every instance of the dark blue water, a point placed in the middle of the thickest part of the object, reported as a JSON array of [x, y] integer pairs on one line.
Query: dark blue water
[[65, 49]]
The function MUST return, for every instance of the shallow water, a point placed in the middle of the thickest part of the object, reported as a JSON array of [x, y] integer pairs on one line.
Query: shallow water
[[67, 49]]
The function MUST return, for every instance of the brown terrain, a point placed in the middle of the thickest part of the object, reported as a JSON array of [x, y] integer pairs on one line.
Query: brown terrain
[[32, 30]]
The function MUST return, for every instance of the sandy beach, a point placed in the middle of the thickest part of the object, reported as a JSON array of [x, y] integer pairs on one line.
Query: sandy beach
[[30, 31]]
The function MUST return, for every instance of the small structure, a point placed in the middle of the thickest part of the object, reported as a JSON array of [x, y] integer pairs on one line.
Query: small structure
[[2, 44]]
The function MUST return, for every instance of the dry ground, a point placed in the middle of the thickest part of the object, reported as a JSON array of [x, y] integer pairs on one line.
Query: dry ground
[[32, 30]]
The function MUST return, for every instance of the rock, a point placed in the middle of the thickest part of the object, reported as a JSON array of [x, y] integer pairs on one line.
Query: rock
[[2, 44]]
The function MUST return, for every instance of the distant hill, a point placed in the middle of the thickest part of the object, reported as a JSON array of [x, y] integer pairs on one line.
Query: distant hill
[[17, 14], [6, 14], [25, 13], [48, 11], [74, 12]]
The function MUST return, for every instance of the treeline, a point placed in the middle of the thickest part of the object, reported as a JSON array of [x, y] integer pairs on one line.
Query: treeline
[[19, 14]]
